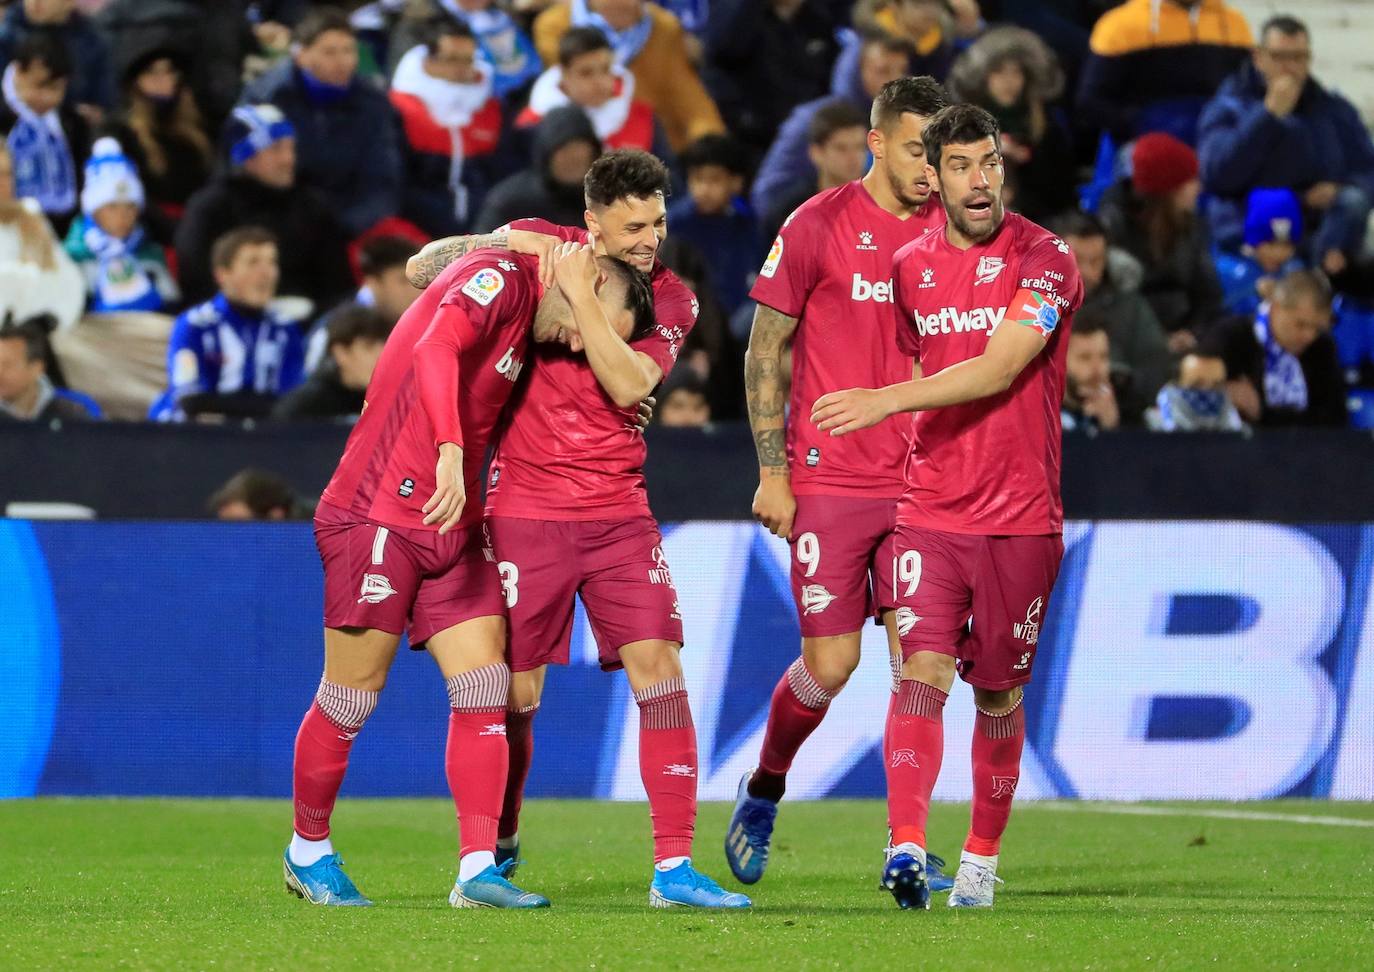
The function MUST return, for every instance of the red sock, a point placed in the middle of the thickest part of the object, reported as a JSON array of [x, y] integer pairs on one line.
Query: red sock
[[476, 755], [322, 745], [913, 746], [799, 704], [997, 743], [520, 739], [668, 765]]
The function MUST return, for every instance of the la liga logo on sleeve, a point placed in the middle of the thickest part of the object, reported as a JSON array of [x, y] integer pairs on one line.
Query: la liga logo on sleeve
[[485, 285], [770, 266]]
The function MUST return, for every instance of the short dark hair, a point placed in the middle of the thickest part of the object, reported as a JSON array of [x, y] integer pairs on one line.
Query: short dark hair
[[356, 322], [639, 294], [721, 150], [957, 125], [624, 174], [579, 41], [833, 116], [262, 492], [46, 48], [1088, 321], [437, 28], [226, 248], [320, 21], [381, 253], [1302, 284], [684, 379], [1075, 222], [918, 96], [33, 334], [1285, 24]]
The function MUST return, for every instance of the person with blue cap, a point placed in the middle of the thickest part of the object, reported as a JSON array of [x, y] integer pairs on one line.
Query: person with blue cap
[[1273, 232]]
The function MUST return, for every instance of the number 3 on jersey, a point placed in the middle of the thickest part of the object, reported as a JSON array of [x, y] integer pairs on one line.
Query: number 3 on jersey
[[510, 582], [809, 552]]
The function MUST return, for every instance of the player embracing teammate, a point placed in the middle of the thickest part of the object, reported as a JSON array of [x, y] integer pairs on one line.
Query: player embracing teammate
[[826, 288], [985, 304]]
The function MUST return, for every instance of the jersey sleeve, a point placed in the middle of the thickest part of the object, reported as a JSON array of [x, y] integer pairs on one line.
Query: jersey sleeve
[[908, 340], [567, 234], [1049, 289], [485, 291], [675, 314], [789, 273], [187, 368]]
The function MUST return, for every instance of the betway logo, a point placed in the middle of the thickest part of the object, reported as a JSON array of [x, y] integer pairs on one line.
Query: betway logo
[[879, 293], [951, 319], [510, 366]]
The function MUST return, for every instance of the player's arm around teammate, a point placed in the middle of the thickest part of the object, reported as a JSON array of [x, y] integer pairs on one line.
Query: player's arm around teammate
[[425, 266]]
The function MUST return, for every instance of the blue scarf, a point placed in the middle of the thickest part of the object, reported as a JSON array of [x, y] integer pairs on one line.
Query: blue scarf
[[1285, 386], [43, 166], [320, 92], [627, 43], [121, 281]]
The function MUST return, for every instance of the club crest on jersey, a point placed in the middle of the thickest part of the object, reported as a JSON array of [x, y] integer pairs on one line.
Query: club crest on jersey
[[1042, 315], [865, 241], [989, 267], [927, 279], [815, 599], [485, 285], [906, 620], [376, 589], [770, 266]]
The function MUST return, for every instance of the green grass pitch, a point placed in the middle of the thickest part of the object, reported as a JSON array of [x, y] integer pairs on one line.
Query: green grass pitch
[[196, 884]]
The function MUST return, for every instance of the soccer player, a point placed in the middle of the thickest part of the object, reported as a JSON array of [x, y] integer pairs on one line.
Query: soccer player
[[569, 515], [986, 305], [402, 550], [826, 288]]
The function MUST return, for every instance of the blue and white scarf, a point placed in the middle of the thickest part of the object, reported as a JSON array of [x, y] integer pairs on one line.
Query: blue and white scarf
[[1285, 386], [43, 166], [627, 43], [120, 282], [511, 53]]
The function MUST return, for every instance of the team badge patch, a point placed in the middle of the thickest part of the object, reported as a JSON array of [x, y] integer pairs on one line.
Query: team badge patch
[[1041, 314], [770, 266], [485, 285]]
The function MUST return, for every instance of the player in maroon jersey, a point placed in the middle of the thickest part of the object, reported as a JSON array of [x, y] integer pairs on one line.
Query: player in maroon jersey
[[986, 304], [569, 516], [826, 288], [402, 552]]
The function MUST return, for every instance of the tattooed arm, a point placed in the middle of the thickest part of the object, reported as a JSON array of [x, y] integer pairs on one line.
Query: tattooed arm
[[774, 505], [423, 267]]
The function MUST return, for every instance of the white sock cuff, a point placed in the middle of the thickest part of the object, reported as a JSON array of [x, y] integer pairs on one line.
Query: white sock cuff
[[347, 708], [482, 688]]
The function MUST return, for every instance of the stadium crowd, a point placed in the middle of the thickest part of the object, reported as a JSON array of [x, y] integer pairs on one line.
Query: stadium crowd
[[207, 206]]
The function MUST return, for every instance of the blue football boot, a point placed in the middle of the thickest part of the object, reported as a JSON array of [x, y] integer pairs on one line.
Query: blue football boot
[[905, 877], [749, 834], [323, 883], [504, 854], [490, 889], [683, 886]]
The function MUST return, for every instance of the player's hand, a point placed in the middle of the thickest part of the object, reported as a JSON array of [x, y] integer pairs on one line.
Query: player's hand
[[446, 505], [842, 412], [1100, 404], [644, 414], [575, 270], [775, 506], [537, 245]]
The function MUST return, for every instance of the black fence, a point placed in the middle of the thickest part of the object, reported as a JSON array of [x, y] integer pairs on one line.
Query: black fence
[[168, 472]]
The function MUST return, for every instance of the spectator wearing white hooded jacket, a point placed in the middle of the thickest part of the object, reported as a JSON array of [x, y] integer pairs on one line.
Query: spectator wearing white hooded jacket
[[36, 275]]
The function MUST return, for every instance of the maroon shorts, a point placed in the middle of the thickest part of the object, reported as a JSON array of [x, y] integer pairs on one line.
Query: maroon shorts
[[842, 549], [618, 568], [942, 580], [395, 579]]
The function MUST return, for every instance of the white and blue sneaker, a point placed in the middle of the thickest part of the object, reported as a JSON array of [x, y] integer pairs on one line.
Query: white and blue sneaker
[[975, 882], [323, 883], [490, 889], [685, 887], [904, 876], [749, 834]]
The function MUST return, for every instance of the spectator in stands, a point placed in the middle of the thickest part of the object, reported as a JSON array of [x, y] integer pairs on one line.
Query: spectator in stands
[[334, 390], [252, 494], [565, 146], [1111, 282], [91, 91], [837, 146], [124, 269], [587, 76], [505, 45], [765, 58], [710, 351], [1281, 365], [36, 275], [26, 392], [348, 139], [231, 355], [1090, 396], [929, 29], [1014, 75], [162, 131], [1196, 400], [1273, 230], [683, 403], [47, 141], [258, 187], [650, 42], [451, 120], [1154, 64], [716, 220], [788, 162], [1273, 125], [1153, 216], [385, 289]]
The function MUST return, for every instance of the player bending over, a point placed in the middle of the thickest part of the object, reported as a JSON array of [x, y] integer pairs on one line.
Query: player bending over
[[986, 305], [826, 288], [402, 551]]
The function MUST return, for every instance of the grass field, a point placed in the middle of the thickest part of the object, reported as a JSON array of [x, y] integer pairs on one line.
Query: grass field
[[185, 884]]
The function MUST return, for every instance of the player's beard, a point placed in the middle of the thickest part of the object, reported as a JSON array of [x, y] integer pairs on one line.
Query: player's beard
[[904, 192], [977, 232]]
